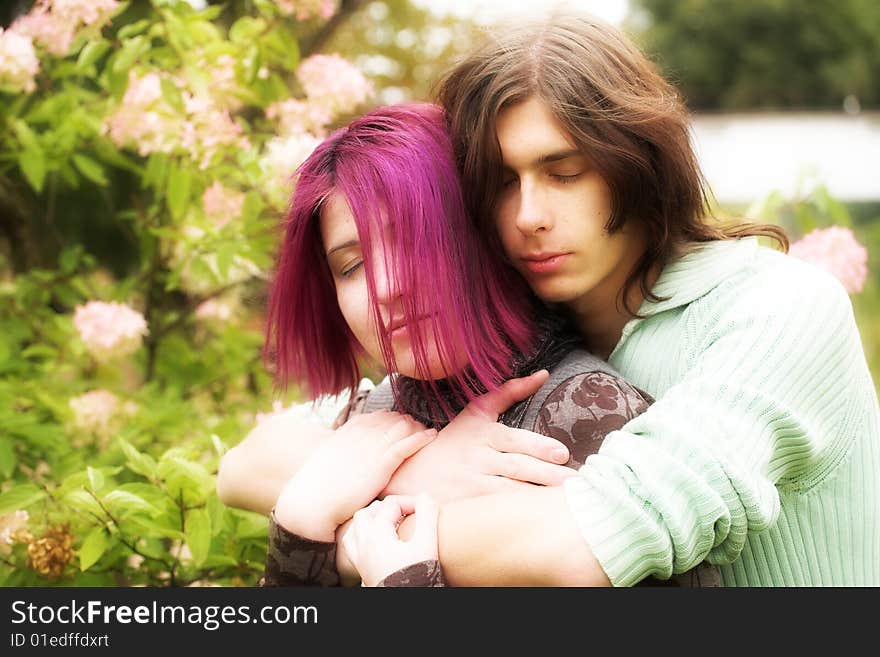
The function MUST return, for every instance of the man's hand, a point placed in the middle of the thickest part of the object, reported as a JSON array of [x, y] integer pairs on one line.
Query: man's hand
[[475, 455]]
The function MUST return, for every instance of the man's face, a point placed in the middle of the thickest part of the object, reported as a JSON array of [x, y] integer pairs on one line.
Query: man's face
[[552, 211]]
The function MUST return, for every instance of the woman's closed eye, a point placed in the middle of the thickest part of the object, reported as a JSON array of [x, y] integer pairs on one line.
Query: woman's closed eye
[[351, 268]]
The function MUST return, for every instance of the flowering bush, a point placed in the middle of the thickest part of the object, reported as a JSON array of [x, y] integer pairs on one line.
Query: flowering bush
[[146, 151], [837, 251], [821, 230]]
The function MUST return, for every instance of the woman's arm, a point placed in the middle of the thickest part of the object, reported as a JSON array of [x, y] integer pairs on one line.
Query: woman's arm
[[252, 473]]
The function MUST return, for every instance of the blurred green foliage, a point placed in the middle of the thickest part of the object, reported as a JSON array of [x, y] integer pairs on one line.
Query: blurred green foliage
[[403, 47], [812, 207], [106, 168], [729, 54]]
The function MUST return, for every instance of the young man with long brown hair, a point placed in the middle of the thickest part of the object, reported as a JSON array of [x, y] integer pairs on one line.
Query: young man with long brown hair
[[762, 451]]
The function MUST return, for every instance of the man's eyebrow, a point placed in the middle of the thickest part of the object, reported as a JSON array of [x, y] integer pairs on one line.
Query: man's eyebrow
[[557, 156], [344, 245]]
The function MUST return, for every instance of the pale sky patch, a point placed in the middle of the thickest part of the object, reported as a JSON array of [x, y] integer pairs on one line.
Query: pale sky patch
[[490, 11]]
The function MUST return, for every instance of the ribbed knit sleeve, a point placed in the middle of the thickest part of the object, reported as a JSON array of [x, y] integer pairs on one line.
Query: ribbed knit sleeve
[[772, 371]]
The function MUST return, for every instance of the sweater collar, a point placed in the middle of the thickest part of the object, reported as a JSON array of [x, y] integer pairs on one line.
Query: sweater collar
[[699, 271]]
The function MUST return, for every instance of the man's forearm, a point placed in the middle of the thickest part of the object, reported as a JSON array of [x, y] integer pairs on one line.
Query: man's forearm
[[522, 538]]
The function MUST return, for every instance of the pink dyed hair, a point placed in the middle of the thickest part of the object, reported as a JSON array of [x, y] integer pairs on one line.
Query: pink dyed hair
[[394, 162]]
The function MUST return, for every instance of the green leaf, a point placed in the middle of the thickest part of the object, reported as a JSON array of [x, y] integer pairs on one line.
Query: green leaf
[[83, 501], [178, 191], [172, 94], [69, 259], [8, 458], [253, 60], [198, 534], [132, 49], [39, 351], [133, 29], [117, 83], [92, 548], [92, 52], [156, 171], [123, 501], [250, 524], [138, 462], [226, 253], [246, 29], [219, 445], [96, 479], [19, 498], [90, 169], [252, 207], [33, 166], [26, 136], [151, 528]]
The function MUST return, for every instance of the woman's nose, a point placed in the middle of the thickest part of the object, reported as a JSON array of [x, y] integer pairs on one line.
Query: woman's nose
[[385, 279]]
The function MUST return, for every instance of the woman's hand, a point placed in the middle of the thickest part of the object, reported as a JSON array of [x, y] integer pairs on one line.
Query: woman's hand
[[475, 455], [346, 472], [372, 542]]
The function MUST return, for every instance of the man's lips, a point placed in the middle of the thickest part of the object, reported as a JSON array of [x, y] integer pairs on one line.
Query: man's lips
[[544, 263]]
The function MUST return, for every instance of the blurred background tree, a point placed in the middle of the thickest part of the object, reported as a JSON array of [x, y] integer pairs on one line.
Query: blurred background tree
[[771, 54]]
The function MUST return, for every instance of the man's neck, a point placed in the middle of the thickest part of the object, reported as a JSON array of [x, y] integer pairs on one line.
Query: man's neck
[[601, 315]]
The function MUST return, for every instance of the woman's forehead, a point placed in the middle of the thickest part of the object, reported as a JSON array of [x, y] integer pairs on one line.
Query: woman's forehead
[[338, 224]]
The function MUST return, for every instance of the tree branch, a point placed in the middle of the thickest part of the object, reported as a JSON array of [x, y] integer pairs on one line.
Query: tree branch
[[314, 42]]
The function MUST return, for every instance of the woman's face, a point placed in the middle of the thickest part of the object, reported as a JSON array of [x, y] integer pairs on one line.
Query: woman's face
[[342, 248]]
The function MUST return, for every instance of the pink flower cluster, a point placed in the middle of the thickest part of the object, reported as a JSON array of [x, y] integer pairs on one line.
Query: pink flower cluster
[[283, 155], [109, 330], [207, 129], [145, 121], [214, 310], [333, 83], [306, 9], [95, 411], [18, 61], [225, 89], [296, 117], [10, 524], [221, 204], [837, 251], [54, 24]]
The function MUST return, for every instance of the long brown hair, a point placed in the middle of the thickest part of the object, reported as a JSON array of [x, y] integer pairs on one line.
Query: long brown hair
[[616, 107]]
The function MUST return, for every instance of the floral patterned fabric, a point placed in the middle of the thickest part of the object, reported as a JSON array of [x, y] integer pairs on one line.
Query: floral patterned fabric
[[585, 408]]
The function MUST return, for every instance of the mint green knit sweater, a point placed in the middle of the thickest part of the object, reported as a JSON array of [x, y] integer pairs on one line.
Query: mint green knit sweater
[[762, 451]]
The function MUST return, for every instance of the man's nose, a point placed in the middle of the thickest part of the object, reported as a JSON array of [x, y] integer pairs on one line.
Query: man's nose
[[533, 215]]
